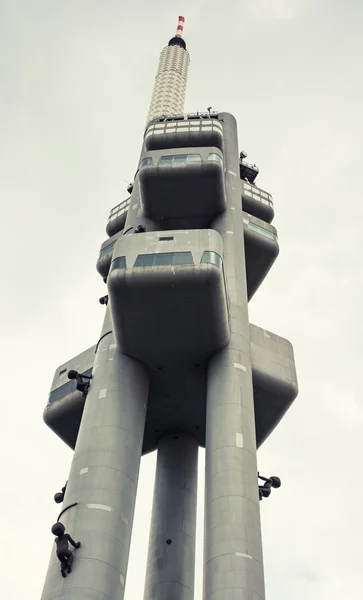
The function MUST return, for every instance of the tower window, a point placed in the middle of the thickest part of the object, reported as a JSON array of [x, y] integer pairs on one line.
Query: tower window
[[179, 158], [164, 258], [107, 249], [118, 263], [215, 157], [262, 231], [212, 258], [146, 161], [65, 389]]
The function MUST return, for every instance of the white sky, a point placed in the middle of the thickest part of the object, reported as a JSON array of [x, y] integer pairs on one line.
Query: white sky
[[75, 82]]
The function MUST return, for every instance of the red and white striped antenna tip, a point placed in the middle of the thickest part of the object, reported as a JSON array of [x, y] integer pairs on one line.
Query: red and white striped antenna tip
[[179, 31]]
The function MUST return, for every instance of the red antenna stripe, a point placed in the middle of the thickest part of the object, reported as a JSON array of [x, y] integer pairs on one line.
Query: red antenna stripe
[[180, 27]]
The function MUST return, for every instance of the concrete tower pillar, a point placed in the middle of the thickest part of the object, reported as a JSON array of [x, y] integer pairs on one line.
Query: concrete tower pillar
[[171, 557], [233, 568], [103, 480]]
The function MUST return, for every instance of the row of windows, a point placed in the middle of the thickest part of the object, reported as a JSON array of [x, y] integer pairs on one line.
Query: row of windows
[[164, 258], [178, 258], [184, 126], [65, 389], [257, 197], [181, 258], [252, 191], [182, 117], [191, 129], [180, 158], [262, 231], [123, 205], [168, 258], [106, 249], [183, 123]]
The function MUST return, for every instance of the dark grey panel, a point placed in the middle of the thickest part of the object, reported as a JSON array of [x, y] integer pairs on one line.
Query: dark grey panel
[[64, 417], [152, 307], [182, 190], [184, 140]]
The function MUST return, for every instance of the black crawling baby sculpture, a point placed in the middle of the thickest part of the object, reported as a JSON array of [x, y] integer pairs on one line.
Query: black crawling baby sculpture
[[64, 554]]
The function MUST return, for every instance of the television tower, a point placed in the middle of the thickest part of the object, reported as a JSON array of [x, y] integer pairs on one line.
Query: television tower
[[177, 365]]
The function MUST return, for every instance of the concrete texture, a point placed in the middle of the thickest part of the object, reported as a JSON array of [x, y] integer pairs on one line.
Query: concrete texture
[[171, 556], [103, 480], [233, 568]]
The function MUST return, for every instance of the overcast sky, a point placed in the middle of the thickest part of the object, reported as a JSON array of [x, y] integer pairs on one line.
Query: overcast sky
[[75, 82]]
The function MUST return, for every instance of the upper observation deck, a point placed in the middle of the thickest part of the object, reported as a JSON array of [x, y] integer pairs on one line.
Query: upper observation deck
[[179, 184], [257, 202], [177, 395], [168, 295], [184, 131]]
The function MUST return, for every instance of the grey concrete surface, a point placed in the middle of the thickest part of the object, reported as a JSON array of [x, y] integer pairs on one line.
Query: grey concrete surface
[[207, 374], [233, 568], [171, 557], [103, 480]]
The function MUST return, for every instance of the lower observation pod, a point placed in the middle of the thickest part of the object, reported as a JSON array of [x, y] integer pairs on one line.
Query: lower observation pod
[[168, 294]]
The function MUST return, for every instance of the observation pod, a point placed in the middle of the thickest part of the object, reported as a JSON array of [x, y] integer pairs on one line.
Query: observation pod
[[261, 250], [167, 287], [183, 183], [105, 255], [117, 217]]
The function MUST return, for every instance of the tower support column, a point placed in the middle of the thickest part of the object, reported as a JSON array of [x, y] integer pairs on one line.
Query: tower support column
[[171, 557], [233, 565], [103, 480]]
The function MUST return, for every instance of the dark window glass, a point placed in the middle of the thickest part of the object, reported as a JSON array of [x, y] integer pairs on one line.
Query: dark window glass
[[118, 263], [146, 161], [65, 389], [262, 231], [213, 258], [164, 258], [216, 157], [107, 249], [194, 158], [165, 160], [178, 158]]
